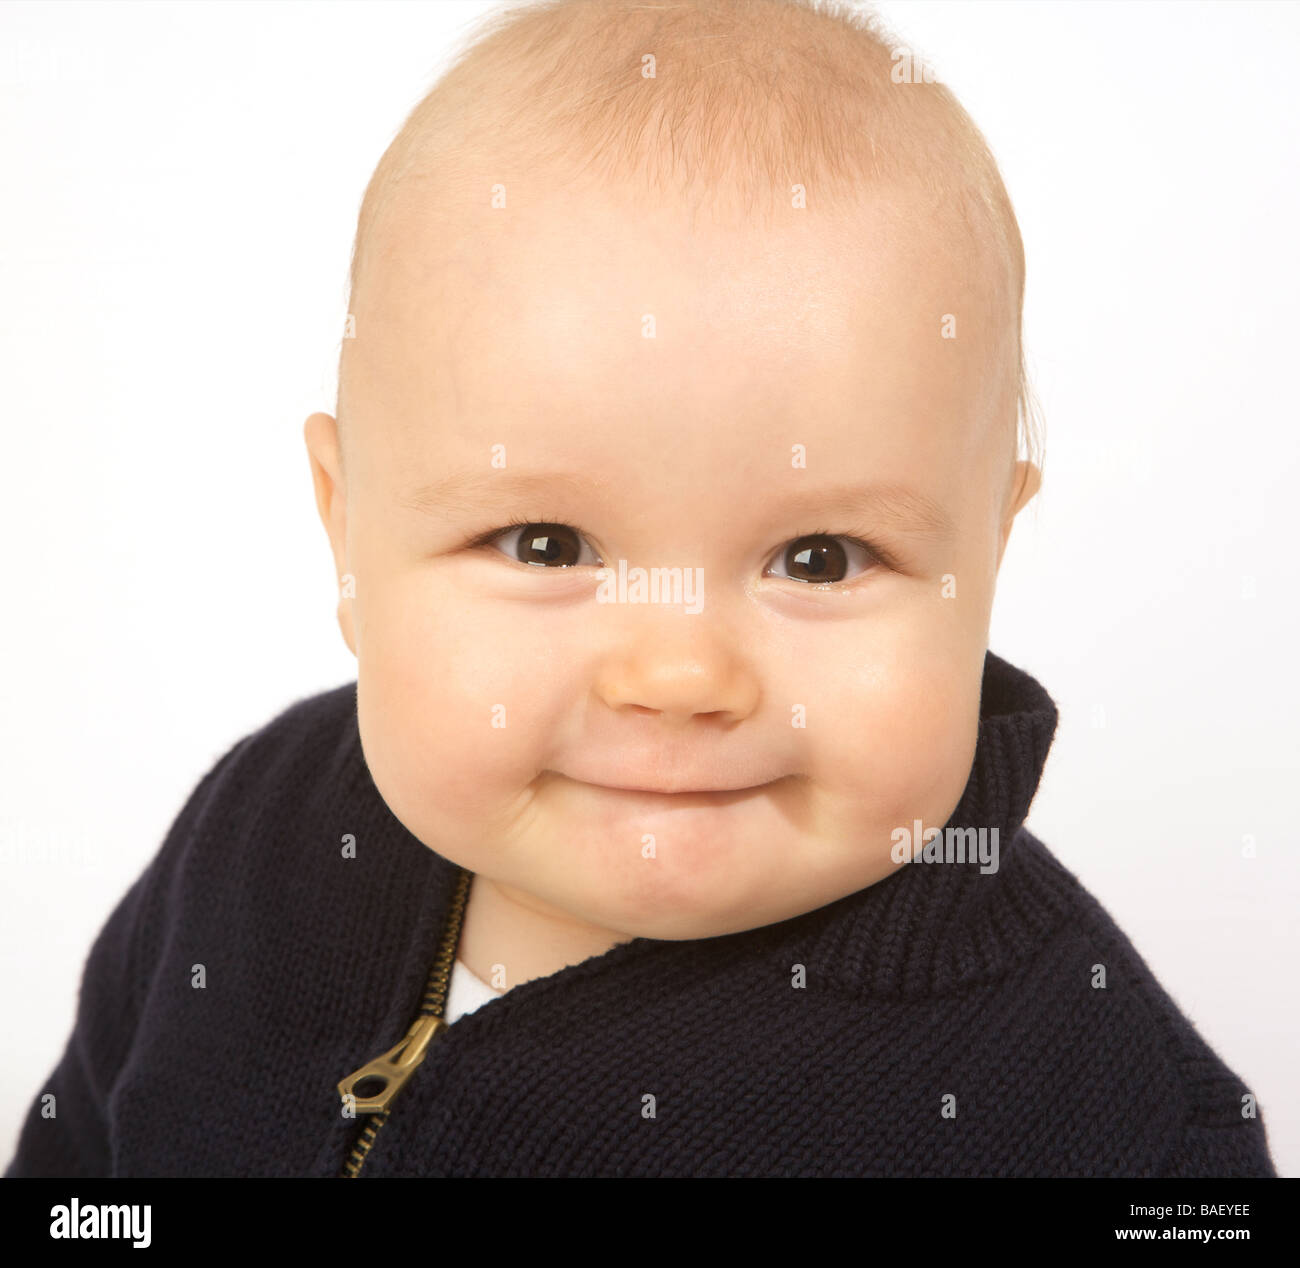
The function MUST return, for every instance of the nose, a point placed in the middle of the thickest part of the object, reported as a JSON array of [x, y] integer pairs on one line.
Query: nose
[[679, 678]]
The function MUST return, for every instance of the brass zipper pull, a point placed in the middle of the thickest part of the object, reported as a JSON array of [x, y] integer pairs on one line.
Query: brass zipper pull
[[394, 1067], [401, 1061]]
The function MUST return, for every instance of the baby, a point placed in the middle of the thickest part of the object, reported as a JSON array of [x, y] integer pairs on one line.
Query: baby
[[675, 862]]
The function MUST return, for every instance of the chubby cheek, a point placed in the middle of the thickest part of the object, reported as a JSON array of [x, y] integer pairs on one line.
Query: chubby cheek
[[451, 715], [907, 731]]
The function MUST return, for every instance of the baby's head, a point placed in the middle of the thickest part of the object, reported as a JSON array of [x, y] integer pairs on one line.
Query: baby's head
[[698, 287]]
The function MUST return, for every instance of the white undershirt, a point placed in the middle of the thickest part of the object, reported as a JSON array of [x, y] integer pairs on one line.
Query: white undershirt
[[465, 992]]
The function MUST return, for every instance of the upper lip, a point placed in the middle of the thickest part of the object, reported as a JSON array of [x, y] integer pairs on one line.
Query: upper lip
[[677, 789]]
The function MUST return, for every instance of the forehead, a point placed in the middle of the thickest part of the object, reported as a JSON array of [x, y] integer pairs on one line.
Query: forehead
[[603, 316]]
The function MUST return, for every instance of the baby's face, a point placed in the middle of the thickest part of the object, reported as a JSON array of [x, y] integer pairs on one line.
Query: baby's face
[[638, 391]]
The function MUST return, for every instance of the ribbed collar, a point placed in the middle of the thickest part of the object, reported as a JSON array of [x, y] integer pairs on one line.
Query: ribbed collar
[[932, 928], [926, 929]]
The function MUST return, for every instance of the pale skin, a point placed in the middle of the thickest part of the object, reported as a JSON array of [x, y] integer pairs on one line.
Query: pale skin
[[524, 330]]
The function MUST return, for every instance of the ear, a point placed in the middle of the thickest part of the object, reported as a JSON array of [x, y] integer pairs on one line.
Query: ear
[[1026, 479], [321, 434]]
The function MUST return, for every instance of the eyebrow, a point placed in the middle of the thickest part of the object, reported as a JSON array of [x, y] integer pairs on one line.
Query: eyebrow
[[469, 493], [896, 505]]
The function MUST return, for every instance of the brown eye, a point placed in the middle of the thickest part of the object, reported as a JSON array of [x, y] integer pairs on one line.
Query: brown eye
[[544, 545], [821, 559]]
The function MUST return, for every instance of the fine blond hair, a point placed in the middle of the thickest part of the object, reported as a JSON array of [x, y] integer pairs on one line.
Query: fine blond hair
[[737, 98]]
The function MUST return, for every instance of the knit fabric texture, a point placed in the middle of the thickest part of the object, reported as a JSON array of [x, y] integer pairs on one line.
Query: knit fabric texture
[[949, 1022]]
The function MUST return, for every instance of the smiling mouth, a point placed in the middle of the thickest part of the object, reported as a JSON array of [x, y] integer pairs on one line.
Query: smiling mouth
[[713, 794]]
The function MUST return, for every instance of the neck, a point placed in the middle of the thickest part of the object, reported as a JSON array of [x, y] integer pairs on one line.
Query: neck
[[508, 927]]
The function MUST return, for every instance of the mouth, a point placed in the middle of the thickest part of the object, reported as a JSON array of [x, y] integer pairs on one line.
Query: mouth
[[703, 796]]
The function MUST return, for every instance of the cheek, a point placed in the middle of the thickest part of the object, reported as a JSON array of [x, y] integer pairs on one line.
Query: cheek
[[910, 726], [451, 714]]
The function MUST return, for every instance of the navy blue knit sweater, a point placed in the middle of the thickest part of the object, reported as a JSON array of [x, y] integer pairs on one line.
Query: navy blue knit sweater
[[938, 987]]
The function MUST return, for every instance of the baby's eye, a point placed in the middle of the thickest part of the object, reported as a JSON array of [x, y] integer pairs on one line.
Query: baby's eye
[[817, 558], [544, 544], [820, 559]]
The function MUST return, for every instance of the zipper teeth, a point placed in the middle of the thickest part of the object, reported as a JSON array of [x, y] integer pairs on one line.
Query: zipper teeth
[[432, 1004]]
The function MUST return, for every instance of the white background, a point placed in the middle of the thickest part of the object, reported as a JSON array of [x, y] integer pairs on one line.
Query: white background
[[178, 191]]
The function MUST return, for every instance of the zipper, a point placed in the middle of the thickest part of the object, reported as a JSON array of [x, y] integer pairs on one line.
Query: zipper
[[393, 1068]]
